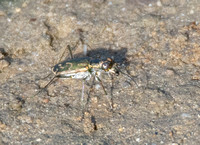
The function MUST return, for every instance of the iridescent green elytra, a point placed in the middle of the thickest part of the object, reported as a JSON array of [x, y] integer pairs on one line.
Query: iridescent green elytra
[[71, 65], [84, 68]]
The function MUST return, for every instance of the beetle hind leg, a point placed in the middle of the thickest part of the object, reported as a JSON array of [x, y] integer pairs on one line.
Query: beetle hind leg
[[46, 86]]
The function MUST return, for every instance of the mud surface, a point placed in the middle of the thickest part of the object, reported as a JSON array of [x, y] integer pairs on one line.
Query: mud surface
[[155, 102]]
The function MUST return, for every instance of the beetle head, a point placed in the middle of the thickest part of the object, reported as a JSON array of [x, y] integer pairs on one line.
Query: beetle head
[[110, 66]]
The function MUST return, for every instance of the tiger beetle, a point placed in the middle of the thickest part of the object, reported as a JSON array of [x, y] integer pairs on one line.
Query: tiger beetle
[[84, 68]]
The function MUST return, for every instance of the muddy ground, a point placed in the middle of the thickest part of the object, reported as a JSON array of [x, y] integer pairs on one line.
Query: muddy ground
[[156, 44]]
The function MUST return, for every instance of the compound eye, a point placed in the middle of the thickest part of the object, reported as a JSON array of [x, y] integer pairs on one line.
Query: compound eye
[[105, 66]]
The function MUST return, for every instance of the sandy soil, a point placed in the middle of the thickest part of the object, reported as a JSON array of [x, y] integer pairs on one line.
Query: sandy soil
[[156, 44]]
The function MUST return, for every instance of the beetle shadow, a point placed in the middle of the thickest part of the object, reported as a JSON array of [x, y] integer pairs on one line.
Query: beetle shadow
[[119, 56]]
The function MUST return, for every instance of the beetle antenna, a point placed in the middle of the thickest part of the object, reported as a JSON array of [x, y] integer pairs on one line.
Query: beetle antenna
[[128, 75]]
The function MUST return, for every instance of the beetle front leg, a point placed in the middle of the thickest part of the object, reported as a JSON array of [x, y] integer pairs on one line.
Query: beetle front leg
[[101, 84]]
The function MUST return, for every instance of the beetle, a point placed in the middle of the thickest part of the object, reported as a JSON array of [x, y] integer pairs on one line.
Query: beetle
[[84, 68]]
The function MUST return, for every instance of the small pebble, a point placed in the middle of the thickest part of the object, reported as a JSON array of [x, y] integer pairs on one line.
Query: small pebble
[[17, 10], [9, 20], [94, 100], [24, 4], [1, 56], [25, 119], [97, 86], [38, 140], [185, 115], [45, 100], [110, 3], [66, 5], [2, 126], [121, 129], [169, 72], [123, 9], [2, 13], [191, 11], [16, 106], [159, 3], [3, 64], [138, 139]]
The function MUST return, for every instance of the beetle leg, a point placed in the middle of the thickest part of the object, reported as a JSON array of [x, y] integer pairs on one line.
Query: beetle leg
[[111, 103], [111, 91], [82, 95], [84, 49], [129, 76], [49, 83], [70, 51], [101, 84], [64, 77]]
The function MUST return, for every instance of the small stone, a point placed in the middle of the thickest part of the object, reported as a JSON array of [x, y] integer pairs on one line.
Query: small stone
[[121, 129], [138, 139], [169, 10], [17, 10], [45, 100], [86, 114], [196, 77], [1, 56], [191, 11], [97, 86], [94, 100], [25, 119], [110, 3], [159, 3], [2, 13], [9, 20], [15, 106], [24, 4], [38, 140], [2, 126], [115, 105], [169, 72], [185, 115], [3, 64]]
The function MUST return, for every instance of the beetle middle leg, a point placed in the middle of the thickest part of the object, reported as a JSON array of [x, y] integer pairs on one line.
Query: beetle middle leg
[[111, 99]]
